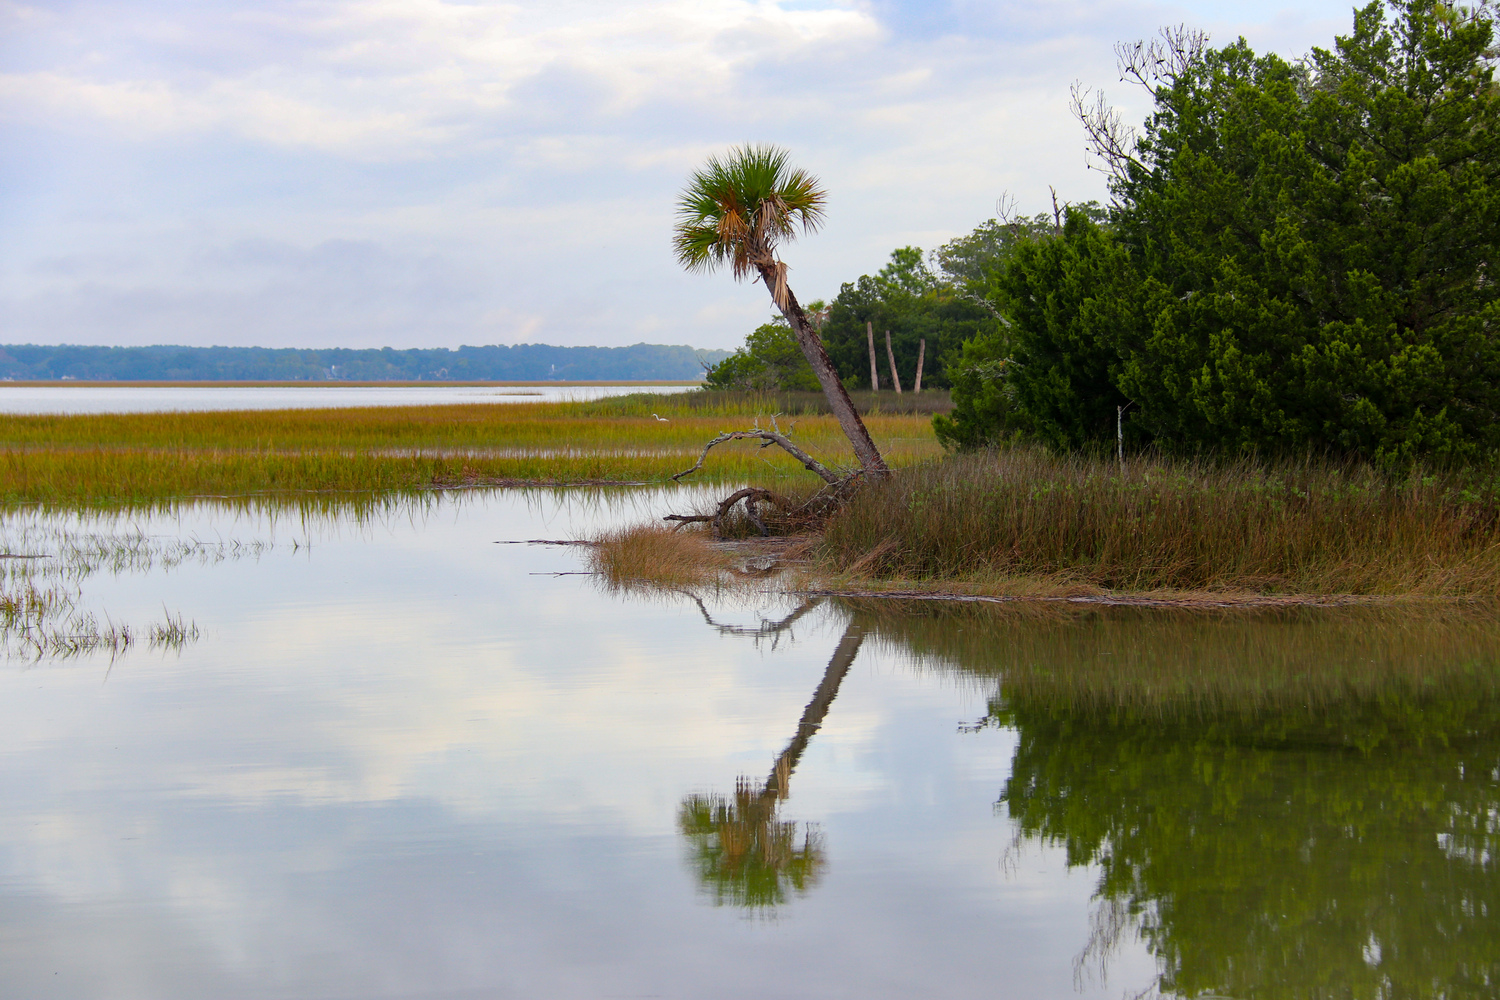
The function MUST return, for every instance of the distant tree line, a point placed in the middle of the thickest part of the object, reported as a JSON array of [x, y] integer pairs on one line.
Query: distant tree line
[[520, 363]]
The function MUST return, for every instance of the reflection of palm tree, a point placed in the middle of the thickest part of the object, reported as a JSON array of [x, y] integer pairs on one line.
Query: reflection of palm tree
[[744, 853]]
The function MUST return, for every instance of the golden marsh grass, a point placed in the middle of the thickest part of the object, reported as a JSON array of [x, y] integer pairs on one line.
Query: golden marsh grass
[[145, 457], [1175, 525]]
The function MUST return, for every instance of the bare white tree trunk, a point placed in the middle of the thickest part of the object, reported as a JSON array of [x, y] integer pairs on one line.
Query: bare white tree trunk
[[921, 356], [874, 367], [891, 356]]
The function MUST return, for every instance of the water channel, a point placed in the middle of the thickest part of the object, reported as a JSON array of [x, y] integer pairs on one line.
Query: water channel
[[403, 758]]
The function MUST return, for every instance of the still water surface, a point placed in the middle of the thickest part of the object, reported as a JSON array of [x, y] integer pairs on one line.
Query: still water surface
[[405, 761], [158, 399]]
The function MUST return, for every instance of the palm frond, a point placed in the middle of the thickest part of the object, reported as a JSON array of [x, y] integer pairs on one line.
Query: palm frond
[[737, 209]]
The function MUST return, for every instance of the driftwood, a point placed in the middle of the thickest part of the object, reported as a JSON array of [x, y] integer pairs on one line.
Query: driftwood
[[791, 513], [798, 515], [769, 437], [752, 495]]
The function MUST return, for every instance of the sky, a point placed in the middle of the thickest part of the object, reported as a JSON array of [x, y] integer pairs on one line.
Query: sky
[[422, 173]]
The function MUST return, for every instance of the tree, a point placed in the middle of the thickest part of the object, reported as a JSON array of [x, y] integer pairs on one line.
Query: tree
[[907, 298], [1298, 256], [771, 360], [735, 211]]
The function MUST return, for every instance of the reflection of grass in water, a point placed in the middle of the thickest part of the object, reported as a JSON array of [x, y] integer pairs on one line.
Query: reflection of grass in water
[[42, 580], [1166, 664], [145, 457], [48, 623]]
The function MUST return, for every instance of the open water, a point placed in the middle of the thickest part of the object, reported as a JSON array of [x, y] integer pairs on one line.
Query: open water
[[404, 760], [153, 399]]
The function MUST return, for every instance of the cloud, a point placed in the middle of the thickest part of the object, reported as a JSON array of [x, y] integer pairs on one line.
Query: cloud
[[530, 151]]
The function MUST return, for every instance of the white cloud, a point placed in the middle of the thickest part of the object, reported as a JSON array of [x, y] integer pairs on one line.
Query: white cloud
[[529, 150]]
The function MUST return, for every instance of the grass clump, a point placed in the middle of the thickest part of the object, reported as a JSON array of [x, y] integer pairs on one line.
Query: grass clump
[[1165, 524], [655, 556]]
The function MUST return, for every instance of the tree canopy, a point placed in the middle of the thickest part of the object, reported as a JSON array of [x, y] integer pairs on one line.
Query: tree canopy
[[914, 303], [770, 361], [1297, 257]]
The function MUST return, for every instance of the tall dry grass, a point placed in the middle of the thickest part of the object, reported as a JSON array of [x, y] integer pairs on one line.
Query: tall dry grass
[[654, 556], [1165, 524]]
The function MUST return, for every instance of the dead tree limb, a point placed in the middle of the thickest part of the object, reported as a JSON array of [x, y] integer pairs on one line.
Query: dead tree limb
[[770, 438], [752, 495]]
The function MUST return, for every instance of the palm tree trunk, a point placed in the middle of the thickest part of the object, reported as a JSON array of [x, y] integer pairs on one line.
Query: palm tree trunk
[[838, 398], [814, 713]]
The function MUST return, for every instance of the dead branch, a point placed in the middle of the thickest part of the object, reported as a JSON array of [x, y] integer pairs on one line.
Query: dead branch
[[752, 495], [769, 437], [797, 516]]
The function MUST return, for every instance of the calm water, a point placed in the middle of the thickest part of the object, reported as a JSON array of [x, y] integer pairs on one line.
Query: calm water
[[144, 399], [405, 761]]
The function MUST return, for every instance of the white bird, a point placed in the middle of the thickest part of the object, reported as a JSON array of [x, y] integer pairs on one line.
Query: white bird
[[662, 419]]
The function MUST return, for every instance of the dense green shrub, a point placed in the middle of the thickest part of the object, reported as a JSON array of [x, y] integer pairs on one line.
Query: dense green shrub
[[1298, 259]]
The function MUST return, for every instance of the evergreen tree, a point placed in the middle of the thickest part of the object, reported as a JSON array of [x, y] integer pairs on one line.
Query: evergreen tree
[[1298, 257]]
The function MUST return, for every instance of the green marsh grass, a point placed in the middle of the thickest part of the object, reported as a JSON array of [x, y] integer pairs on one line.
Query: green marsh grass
[[1174, 525], [111, 458]]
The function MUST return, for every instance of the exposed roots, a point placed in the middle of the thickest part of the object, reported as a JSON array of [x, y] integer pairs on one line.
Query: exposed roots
[[773, 513]]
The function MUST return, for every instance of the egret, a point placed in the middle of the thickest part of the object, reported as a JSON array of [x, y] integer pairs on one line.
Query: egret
[[662, 419]]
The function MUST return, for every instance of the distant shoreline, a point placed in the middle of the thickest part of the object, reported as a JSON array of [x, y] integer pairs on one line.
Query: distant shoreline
[[319, 384]]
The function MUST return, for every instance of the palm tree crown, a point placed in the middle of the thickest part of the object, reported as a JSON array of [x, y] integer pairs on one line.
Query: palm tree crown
[[736, 210]]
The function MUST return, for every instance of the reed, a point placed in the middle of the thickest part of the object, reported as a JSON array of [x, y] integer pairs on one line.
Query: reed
[[1162, 524]]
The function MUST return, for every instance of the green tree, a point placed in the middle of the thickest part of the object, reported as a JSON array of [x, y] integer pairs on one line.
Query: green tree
[[914, 304], [1299, 253], [771, 360], [736, 211]]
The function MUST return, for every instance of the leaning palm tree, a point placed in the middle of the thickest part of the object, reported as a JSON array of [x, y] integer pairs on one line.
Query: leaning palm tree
[[735, 211]]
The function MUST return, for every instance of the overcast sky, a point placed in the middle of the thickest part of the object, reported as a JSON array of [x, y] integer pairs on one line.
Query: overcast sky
[[369, 173]]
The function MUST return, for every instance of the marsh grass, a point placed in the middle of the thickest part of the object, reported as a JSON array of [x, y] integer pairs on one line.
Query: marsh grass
[[43, 584], [1174, 525], [650, 556], [94, 459]]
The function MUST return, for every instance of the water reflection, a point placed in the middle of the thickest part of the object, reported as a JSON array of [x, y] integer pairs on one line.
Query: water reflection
[[1292, 805], [743, 852]]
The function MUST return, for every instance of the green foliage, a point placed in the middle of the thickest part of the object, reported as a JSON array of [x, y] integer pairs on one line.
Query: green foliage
[[736, 210], [1298, 258], [1262, 857], [985, 410], [770, 361], [914, 304]]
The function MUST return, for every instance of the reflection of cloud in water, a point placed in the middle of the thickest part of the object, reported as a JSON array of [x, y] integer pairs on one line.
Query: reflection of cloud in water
[[399, 763]]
